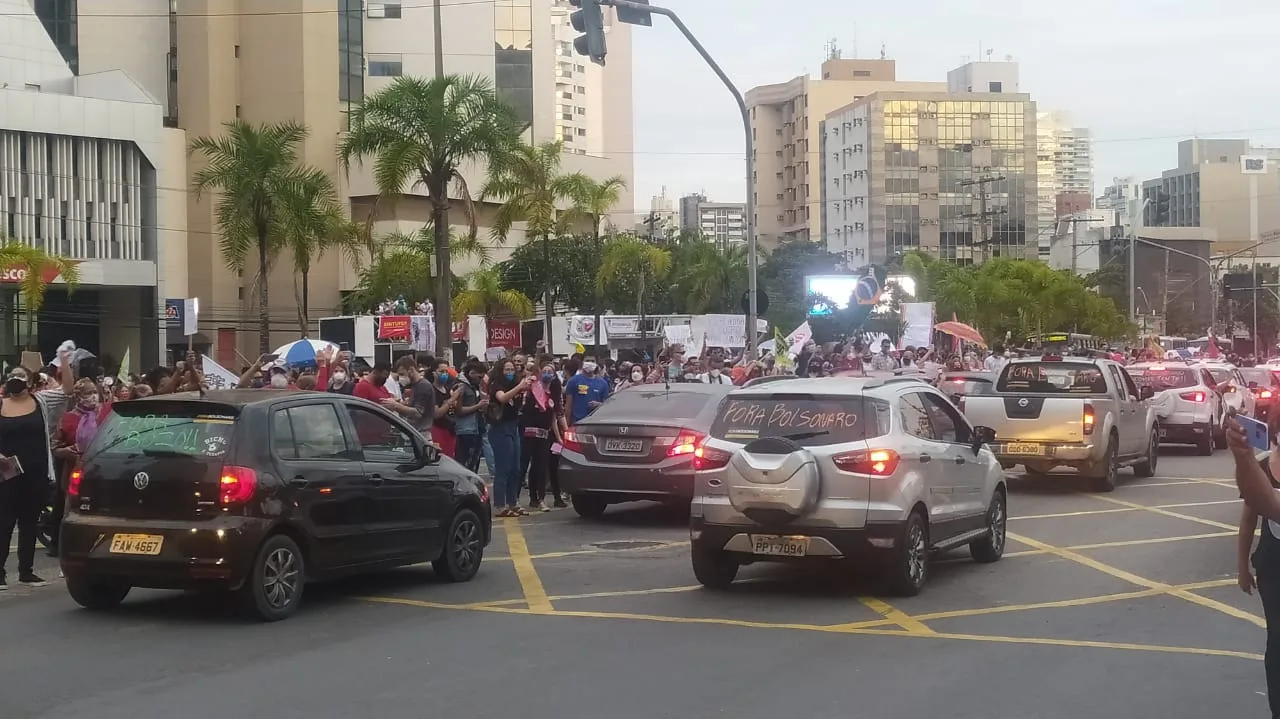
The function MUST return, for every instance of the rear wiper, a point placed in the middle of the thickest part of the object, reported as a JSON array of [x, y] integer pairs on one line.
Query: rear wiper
[[806, 435], [161, 453]]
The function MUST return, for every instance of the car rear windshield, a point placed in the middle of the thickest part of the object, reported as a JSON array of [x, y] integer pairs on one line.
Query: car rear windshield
[[1254, 374], [1167, 378], [165, 429], [1052, 378], [1220, 374], [657, 403], [809, 420], [965, 385]]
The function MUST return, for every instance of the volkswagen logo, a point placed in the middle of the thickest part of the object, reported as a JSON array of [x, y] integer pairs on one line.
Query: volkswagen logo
[[1024, 402], [141, 480]]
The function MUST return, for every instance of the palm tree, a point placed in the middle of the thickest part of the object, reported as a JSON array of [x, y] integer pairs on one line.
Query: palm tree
[[312, 223], [631, 260], [709, 279], [401, 264], [36, 269], [594, 200], [484, 296], [424, 132], [255, 172], [531, 189]]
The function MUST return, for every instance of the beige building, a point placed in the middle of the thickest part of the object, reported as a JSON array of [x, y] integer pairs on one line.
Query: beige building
[[785, 125], [950, 174], [211, 61]]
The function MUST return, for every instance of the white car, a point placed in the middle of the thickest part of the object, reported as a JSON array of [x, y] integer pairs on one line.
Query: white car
[[1231, 386], [1189, 408]]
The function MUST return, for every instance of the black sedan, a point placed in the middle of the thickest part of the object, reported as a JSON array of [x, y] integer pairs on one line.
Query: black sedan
[[638, 446], [259, 492]]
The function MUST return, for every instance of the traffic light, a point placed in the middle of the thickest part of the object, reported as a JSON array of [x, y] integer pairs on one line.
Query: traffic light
[[589, 20], [632, 16], [1162, 209], [1237, 285]]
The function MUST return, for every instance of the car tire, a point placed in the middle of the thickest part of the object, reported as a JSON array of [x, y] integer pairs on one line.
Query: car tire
[[96, 596], [1219, 435], [1147, 467], [908, 569], [1105, 480], [273, 590], [713, 567], [588, 506], [463, 548], [991, 547]]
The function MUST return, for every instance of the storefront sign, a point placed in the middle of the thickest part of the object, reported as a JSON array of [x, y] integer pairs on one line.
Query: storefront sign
[[504, 334], [15, 275], [173, 314]]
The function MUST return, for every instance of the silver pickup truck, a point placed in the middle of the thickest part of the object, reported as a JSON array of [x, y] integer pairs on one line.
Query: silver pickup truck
[[1082, 413]]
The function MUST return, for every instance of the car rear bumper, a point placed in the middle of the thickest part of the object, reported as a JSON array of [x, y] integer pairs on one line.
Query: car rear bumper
[[627, 482], [1048, 452], [1184, 433], [193, 555], [867, 542]]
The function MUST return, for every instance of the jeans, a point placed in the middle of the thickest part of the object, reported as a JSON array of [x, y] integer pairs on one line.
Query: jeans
[[1269, 592], [20, 501], [487, 450], [469, 451], [504, 437]]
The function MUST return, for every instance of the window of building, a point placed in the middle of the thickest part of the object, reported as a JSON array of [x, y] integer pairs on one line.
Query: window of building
[[384, 10], [386, 65], [59, 20], [513, 56], [995, 87], [862, 73], [350, 50]]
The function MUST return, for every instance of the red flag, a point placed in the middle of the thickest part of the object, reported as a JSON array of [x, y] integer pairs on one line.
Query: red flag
[[1212, 349]]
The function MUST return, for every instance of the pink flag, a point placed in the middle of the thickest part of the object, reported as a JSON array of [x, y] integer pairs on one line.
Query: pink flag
[[541, 396]]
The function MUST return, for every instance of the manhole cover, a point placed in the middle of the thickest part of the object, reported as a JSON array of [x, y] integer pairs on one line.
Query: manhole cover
[[618, 546]]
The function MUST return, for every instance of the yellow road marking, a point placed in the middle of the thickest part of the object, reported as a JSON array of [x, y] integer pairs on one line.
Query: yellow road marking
[[530, 583], [1155, 540], [1164, 512], [1042, 641], [1143, 582], [577, 552], [895, 616], [592, 595]]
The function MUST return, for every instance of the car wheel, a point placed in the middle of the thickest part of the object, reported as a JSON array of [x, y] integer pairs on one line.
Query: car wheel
[[714, 568], [1105, 480], [1219, 435], [588, 506], [1147, 467], [274, 587], [93, 595], [991, 547], [463, 548], [909, 566]]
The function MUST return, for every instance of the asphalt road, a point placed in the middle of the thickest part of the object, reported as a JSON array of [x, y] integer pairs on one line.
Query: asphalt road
[[1118, 605]]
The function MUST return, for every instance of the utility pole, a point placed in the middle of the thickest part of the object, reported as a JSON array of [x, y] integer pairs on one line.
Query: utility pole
[[983, 215], [1075, 239], [439, 33]]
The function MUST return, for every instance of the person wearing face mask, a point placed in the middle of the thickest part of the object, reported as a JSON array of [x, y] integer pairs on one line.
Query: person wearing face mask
[[420, 409], [332, 373], [715, 375], [585, 392], [374, 385], [77, 428], [447, 395], [633, 378], [28, 422], [506, 391], [539, 428], [469, 426]]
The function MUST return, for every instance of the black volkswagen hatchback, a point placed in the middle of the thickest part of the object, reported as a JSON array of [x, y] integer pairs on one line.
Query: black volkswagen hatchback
[[258, 492]]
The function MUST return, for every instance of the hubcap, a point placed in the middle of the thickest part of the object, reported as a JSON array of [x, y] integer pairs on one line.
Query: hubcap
[[466, 544], [997, 524], [280, 578], [916, 553]]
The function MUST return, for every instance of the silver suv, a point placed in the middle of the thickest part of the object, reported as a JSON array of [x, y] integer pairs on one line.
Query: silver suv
[[884, 470]]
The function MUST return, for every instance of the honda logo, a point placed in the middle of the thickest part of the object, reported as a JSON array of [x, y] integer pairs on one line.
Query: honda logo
[[623, 430], [141, 480]]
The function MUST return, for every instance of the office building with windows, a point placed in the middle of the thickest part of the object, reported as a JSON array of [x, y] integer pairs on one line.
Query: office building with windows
[[88, 172], [213, 61], [724, 223], [952, 175]]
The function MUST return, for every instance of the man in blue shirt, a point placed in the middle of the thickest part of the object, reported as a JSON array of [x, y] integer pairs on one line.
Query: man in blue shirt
[[585, 391]]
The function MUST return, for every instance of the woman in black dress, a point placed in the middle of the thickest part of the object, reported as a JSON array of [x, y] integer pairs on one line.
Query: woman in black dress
[[539, 428], [28, 418]]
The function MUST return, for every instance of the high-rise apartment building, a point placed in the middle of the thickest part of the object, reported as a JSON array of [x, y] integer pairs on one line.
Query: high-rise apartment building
[[952, 175], [309, 61], [1064, 160], [785, 120], [1209, 189], [88, 172], [724, 223]]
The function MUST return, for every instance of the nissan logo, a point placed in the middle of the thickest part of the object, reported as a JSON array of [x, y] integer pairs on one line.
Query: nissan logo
[[141, 480], [1024, 402]]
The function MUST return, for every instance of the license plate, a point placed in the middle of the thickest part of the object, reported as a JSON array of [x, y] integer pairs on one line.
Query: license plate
[[1024, 449], [624, 445], [775, 546], [145, 544]]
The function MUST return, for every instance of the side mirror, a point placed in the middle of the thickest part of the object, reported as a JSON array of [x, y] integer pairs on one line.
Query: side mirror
[[982, 435], [1146, 392], [430, 455]]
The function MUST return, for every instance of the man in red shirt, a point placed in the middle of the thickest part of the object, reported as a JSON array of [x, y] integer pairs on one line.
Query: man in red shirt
[[373, 386]]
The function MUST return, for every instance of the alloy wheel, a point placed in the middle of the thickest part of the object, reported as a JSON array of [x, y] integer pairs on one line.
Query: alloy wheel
[[997, 521], [280, 578], [916, 554], [466, 544]]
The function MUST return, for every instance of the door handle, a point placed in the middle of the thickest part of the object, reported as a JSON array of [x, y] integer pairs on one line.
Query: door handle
[[924, 459], [299, 481], [959, 460], [375, 478]]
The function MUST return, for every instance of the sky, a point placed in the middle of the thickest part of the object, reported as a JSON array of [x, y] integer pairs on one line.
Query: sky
[[1140, 74]]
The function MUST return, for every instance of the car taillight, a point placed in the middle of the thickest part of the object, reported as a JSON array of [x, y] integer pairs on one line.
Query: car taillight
[[237, 484], [686, 443], [574, 440], [877, 462], [1089, 418], [1265, 394], [708, 458], [1197, 397], [73, 484]]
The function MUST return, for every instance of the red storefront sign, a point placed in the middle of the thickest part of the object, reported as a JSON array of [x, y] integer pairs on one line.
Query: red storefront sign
[[14, 275], [504, 334], [459, 333], [393, 327]]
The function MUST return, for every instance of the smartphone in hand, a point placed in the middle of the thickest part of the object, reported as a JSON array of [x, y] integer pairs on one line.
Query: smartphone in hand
[[1256, 432]]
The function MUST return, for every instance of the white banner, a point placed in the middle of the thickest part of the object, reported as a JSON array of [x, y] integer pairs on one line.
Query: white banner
[[798, 337], [730, 330], [217, 376], [918, 317]]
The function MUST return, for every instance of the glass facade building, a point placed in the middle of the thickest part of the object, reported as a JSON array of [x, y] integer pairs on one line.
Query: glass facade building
[[59, 20], [513, 56], [350, 51]]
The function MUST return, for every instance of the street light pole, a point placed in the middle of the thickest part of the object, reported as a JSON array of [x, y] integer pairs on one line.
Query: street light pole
[[753, 253]]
